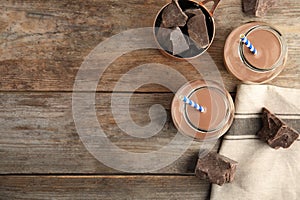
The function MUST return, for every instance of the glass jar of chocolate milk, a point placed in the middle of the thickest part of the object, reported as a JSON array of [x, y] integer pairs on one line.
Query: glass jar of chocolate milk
[[266, 64], [218, 110]]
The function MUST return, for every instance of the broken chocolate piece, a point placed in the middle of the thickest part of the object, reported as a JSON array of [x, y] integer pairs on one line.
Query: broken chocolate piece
[[249, 6], [173, 16], [276, 132], [198, 31], [217, 168], [178, 41], [163, 37], [192, 12], [258, 8]]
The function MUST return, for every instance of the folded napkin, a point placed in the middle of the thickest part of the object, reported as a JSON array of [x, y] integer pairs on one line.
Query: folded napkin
[[263, 173]]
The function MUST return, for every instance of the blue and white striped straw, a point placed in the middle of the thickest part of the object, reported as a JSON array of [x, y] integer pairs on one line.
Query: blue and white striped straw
[[192, 103], [248, 44]]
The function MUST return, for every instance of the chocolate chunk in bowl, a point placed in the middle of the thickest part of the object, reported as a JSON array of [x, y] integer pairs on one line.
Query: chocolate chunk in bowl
[[179, 42], [173, 16], [164, 38], [197, 30], [197, 45]]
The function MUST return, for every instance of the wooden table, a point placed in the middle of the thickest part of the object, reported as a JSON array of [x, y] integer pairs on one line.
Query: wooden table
[[42, 45]]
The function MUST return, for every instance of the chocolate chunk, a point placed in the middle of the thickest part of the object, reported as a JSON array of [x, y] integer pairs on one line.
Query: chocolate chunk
[[198, 31], [163, 37], [178, 41], [249, 6], [276, 132], [192, 12], [173, 16], [217, 168], [257, 7]]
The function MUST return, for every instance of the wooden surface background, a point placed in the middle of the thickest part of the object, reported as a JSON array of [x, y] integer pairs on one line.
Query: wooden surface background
[[42, 45]]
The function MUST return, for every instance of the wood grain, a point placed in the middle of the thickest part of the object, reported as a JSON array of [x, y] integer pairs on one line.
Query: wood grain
[[38, 134], [103, 187], [44, 43], [42, 46]]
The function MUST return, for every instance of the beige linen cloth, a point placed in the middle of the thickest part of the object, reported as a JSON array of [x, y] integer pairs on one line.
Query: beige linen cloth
[[263, 173]]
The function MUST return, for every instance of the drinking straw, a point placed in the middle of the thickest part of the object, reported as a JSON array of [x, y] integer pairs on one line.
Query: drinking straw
[[248, 44], [192, 103]]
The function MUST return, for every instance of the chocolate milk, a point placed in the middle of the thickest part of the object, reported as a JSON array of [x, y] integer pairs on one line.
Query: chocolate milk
[[260, 68], [215, 109], [214, 121], [268, 47]]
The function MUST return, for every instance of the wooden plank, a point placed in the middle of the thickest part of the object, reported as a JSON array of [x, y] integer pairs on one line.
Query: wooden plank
[[103, 187], [44, 43], [38, 135]]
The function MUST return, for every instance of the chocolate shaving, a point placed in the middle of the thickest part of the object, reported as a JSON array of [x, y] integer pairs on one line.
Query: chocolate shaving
[[276, 132], [217, 168]]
